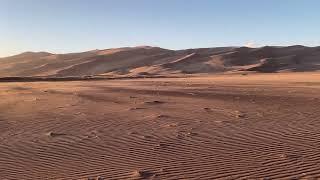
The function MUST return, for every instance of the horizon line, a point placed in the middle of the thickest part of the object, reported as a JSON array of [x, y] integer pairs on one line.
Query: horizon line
[[141, 46]]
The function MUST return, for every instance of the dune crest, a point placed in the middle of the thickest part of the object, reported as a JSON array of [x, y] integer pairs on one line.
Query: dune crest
[[146, 60]]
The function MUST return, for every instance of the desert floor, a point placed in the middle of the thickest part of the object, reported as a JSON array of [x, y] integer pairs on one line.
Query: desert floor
[[251, 126]]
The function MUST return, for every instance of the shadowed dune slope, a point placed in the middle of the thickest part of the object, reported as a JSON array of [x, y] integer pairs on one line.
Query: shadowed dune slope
[[146, 60]]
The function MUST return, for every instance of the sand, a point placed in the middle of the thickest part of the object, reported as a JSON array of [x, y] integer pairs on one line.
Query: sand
[[255, 126], [155, 61]]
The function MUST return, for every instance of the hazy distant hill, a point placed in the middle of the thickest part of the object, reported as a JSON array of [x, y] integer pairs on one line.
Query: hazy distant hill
[[147, 60]]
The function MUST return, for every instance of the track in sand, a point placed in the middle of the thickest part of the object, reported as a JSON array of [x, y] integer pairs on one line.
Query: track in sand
[[237, 127]]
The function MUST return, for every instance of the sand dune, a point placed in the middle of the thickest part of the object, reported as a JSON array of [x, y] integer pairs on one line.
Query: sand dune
[[151, 61], [200, 114], [261, 126]]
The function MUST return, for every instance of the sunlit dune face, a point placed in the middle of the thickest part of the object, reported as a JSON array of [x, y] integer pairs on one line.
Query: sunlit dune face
[[110, 51]]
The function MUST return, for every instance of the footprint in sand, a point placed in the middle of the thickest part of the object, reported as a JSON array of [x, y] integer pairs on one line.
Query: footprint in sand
[[171, 125], [290, 156], [97, 178], [160, 116], [154, 102], [136, 108], [159, 146], [240, 114], [141, 174], [53, 134], [207, 109]]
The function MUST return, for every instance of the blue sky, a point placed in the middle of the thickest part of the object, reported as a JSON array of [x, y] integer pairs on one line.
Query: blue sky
[[62, 26]]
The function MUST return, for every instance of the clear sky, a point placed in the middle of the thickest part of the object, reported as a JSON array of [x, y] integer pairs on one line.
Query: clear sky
[[62, 26]]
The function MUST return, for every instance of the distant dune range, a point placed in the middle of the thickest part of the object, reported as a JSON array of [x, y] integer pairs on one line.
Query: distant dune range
[[155, 61]]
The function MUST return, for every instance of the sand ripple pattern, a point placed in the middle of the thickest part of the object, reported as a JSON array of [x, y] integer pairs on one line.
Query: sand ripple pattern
[[118, 134]]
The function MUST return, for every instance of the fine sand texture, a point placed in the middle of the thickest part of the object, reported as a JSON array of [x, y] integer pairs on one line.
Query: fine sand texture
[[249, 126]]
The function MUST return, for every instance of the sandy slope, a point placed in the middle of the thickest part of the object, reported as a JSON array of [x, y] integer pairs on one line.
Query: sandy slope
[[136, 61], [221, 127]]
